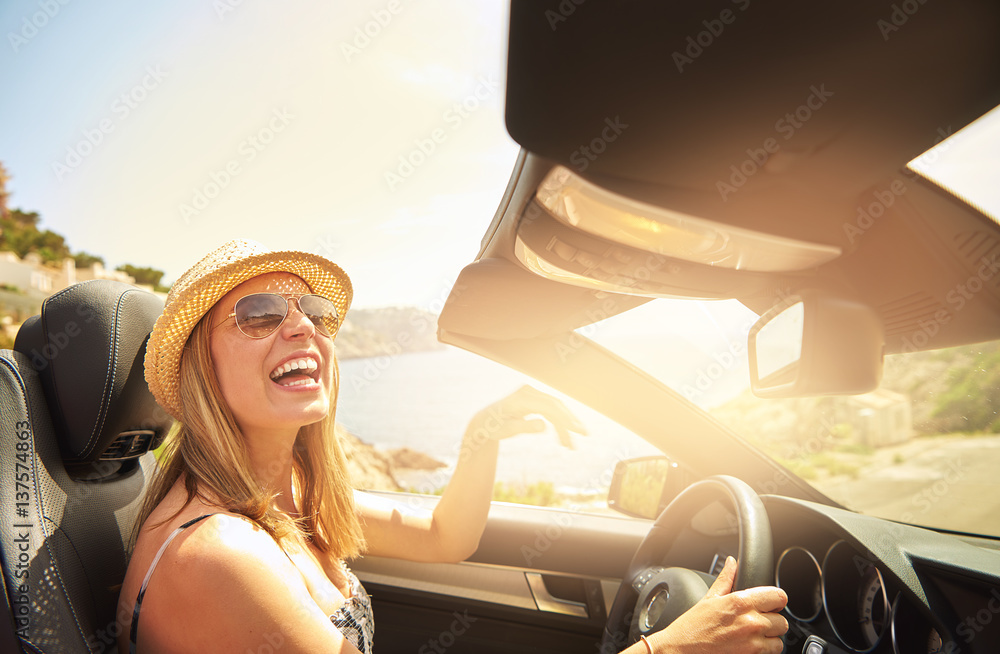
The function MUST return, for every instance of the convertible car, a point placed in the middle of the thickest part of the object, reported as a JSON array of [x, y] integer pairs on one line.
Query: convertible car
[[724, 234]]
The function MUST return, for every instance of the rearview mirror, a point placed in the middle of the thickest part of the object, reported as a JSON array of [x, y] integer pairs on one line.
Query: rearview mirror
[[816, 344], [643, 487]]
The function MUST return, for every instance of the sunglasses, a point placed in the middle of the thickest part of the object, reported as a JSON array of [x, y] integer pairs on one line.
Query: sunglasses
[[259, 314]]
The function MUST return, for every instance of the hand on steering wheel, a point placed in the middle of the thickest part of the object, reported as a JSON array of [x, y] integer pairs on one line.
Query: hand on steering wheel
[[743, 621], [676, 608]]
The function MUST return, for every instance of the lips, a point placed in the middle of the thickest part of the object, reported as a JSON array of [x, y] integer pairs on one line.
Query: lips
[[296, 372]]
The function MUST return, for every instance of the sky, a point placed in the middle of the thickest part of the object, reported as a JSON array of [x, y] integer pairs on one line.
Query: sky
[[369, 132]]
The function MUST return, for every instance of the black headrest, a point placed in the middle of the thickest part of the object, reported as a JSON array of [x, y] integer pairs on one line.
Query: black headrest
[[87, 346]]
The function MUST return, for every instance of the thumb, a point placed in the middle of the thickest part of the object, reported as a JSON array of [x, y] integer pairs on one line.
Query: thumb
[[724, 582]]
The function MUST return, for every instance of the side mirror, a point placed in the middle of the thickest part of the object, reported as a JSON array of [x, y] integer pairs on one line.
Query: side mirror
[[643, 487], [816, 344]]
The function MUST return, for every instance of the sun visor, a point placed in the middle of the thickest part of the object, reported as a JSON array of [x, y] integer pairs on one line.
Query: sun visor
[[499, 300], [740, 111]]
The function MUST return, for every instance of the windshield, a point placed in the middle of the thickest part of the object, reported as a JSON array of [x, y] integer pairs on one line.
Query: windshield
[[922, 449]]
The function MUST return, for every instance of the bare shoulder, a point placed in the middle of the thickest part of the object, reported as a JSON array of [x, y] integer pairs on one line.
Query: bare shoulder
[[226, 585], [222, 584], [224, 543]]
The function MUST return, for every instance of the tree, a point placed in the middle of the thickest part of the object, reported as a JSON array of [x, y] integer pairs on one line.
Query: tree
[[85, 260], [19, 233], [149, 276], [4, 193]]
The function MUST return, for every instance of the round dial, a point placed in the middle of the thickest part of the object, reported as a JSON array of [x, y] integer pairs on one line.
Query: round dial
[[871, 606]]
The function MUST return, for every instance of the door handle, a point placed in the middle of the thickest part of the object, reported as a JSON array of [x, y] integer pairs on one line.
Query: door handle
[[547, 602]]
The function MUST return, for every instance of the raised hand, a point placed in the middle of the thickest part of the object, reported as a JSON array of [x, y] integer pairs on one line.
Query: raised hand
[[524, 411]]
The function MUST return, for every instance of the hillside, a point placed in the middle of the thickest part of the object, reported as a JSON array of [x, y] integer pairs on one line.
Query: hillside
[[374, 469], [950, 391], [390, 330]]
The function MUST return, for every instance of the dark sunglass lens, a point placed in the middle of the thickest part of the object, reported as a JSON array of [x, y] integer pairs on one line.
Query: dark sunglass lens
[[321, 312], [260, 314]]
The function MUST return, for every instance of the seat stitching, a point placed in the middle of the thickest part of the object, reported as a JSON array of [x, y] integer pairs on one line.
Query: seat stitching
[[55, 569], [38, 506], [111, 370]]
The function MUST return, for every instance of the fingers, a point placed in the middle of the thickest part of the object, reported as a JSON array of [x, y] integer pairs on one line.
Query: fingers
[[564, 438], [779, 625], [531, 400], [510, 415], [766, 599], [723, 584]]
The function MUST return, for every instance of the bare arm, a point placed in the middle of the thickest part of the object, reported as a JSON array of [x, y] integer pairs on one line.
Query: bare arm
[[452, 531]]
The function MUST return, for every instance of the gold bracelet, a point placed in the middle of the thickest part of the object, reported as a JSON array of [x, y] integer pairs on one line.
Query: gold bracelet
[[646, 643]]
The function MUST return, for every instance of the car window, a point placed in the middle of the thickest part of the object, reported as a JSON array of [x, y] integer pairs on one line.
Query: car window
[[413, 407], [922, 449], [961, 163]]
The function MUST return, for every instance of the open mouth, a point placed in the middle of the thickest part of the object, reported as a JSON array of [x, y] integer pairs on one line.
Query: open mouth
[[296, 372]]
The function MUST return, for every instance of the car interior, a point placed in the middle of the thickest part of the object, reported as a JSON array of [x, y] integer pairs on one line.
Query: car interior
[[77, 450], [711, 150]]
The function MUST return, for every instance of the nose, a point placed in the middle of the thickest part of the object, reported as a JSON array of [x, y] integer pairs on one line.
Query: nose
[[296, 321]]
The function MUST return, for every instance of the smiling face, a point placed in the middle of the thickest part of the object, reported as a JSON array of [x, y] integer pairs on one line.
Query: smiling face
[[282, 381]]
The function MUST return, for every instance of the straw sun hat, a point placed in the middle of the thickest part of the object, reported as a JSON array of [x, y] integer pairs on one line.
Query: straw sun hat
[[197, 291]]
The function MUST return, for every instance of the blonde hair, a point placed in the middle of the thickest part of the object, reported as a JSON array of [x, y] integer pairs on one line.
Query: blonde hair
[[209, 450]]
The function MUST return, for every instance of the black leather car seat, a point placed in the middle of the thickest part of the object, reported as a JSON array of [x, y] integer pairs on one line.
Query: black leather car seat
[[78, 423]]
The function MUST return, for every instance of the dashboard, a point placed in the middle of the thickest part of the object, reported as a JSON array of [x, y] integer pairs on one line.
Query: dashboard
[[860, 584]]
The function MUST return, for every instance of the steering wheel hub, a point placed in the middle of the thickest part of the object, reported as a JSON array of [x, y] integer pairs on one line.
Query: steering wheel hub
[[654, 608]]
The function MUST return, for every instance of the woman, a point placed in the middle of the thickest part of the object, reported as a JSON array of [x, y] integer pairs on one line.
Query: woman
[[245, 530]]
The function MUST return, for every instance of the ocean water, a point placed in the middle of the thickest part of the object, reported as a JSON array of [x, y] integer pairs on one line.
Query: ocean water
[[424, 401]]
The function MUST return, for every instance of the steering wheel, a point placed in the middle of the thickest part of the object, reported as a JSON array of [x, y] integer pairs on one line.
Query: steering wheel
[[652, 596]]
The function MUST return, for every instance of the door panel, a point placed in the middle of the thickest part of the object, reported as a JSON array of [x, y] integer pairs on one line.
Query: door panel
[[541, 581]]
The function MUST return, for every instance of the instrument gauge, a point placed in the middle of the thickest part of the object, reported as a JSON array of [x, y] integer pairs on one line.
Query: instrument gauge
[[854, 597], [872, 607], [911, 632]]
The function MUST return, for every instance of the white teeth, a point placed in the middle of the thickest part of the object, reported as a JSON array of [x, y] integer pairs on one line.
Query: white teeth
[[306, 365]]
